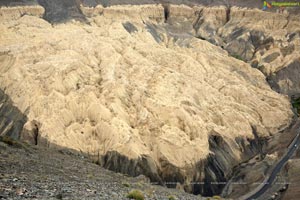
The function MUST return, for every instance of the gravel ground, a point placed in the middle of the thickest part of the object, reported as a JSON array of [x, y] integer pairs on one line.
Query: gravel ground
[[30, 172]]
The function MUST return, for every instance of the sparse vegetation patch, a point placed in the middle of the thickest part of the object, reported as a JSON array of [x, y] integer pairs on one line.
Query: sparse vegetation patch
[[135, 194]]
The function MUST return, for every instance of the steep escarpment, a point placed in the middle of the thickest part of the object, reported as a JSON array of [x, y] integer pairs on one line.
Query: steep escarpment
[[270, 45], [15, 12], [269, 42], [11, 119], [137, 91]]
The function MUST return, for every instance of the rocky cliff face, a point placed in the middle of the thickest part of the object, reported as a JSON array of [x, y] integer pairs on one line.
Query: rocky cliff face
[[133, 87], [269, 42], [11, 119]]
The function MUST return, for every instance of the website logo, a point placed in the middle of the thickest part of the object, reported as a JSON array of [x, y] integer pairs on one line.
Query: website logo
[[266, 5], [281, 5]]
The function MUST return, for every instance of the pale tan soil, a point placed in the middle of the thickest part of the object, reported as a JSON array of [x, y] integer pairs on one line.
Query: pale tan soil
[[96, 88]]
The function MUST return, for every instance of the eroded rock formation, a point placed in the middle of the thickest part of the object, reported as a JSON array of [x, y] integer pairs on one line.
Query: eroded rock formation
[[146, 96], [269, 42]]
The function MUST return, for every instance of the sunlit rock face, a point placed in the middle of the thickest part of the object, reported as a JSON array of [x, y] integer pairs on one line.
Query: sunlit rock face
[[268, 41], [141, 93]]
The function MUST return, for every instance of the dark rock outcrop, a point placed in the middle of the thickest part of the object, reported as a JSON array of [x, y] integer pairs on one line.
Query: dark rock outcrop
[[287, 80], [12, 119], [130, 28], [209, 176], [219, 166], [59, 11]]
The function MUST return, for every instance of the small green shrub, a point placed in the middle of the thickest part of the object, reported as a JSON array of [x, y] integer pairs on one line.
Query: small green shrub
[[135, 194], [216, 197], [126, 184], [171, 197], [238, 57], [97, 162], [139, 185]]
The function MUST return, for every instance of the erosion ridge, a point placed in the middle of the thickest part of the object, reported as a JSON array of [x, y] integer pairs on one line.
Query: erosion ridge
[[138, 90]]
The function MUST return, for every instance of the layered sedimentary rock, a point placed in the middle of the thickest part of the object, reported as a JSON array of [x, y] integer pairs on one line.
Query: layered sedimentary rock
[[268, 41], [143, 95], [14, 13]]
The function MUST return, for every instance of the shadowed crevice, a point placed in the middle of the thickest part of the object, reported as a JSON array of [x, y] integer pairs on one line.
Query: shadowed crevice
[[166, 11], [57, 11], [12, 119]]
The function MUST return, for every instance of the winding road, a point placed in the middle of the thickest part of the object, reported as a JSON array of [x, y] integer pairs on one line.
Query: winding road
[[261, 189]]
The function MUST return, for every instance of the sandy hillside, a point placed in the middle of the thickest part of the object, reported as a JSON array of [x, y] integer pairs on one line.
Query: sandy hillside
[[109, 85]]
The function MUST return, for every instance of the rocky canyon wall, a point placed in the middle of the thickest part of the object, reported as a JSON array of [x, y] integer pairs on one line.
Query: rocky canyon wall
[[137, 89]]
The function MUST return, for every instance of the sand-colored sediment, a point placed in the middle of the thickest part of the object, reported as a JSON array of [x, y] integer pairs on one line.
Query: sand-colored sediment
[[98, 88]]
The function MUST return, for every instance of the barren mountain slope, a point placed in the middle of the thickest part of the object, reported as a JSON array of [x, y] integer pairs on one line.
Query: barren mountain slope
[[37, 173], [117, 86]]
